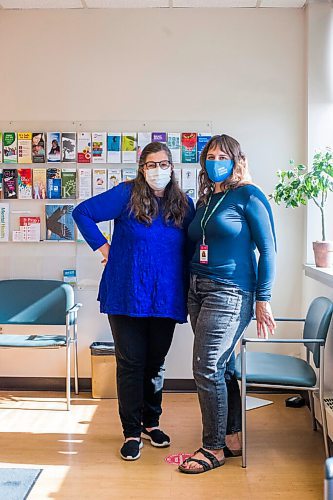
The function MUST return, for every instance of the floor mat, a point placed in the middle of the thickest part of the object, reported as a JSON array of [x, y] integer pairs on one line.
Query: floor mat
[[16, 484]]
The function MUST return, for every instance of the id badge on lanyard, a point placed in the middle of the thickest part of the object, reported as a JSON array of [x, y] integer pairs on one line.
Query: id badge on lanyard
[[203, 246], [203, 254]]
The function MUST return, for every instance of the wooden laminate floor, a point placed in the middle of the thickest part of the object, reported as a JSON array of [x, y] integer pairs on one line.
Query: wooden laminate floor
[[79, 452]]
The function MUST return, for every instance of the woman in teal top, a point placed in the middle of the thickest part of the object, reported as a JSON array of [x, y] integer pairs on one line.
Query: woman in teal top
[[232, 220]]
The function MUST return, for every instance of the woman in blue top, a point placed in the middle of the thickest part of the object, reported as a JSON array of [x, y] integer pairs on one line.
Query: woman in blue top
[[144, 285], [233, 219]]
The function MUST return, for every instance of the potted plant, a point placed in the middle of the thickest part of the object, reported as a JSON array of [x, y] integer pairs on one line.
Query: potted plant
[[297, 186]]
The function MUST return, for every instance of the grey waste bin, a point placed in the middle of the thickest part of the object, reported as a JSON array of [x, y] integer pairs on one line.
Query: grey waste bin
[[103, 370]]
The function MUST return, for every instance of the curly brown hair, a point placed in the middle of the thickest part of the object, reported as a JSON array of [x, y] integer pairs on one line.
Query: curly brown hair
[[143, 202], [240, 174]]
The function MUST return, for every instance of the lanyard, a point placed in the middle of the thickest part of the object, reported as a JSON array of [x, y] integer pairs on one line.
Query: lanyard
[[204, 223]]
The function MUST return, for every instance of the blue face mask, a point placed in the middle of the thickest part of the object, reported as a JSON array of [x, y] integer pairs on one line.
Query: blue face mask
[[219, 170]]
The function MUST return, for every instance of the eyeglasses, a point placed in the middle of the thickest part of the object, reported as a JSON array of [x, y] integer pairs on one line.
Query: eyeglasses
[[164, 164]]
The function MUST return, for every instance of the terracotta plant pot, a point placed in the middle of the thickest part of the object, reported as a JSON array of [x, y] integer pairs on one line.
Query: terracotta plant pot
[[323, 252]]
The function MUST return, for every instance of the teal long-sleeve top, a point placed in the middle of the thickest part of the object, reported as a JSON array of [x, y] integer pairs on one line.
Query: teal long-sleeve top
[[242, 223]]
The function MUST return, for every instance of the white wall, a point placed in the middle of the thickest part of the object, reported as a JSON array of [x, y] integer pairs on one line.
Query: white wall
[[319, 20], [320, 125], [241, 69]]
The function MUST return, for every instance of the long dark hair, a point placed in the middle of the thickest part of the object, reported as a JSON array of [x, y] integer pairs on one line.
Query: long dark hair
[[240, 174], [143, 202]]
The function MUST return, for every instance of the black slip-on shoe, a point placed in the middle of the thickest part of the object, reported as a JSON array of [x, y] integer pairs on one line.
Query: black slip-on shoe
[[131, 449], [157, 438]]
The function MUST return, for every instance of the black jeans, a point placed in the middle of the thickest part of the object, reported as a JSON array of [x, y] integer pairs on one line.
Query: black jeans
[[141, 345]]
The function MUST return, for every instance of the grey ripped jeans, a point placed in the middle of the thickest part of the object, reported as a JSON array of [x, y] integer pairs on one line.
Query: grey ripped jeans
[[219, 315]]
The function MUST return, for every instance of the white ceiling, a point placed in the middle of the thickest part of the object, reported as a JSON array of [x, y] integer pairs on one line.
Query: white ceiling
[[106, 4]]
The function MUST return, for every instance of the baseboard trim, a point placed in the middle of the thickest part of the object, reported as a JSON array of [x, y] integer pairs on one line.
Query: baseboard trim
[[58, 384], [53, 384]]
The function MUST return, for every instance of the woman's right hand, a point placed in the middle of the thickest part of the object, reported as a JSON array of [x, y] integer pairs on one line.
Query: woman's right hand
[[265, 319], [104, 249]]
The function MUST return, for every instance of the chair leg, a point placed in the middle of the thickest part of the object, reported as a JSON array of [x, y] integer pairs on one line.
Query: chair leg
[[243, 394], [76, 374], [68, 375], [314, 421]]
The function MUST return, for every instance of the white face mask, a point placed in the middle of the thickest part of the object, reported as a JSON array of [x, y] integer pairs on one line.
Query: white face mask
[[157, 178]]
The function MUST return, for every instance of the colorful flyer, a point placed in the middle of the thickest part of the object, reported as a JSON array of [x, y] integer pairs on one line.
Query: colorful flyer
[[53, 183], [84, 147], [189, 182], [24, 147], [39, 183], [9, 181], [99, 146], [30, 228], [24, 183], [159, 137], [128, 147], [9, 147], [69, 276], [4, 221], [68, 146], [114, 147], [59, 222], [114, 177], [1, 147], [203, 138], [38, 147], [53, 143], [189, 147], [144, 138], [84, 183], [68, 183], [99, 180], [129, 174], [174, 146]]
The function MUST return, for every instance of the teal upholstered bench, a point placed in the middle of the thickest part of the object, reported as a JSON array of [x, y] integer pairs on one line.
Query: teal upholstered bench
[[41, 302]]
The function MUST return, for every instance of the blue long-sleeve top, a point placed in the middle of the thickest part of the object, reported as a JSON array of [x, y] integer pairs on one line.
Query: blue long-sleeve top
[[242, 223], [147, 269]]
